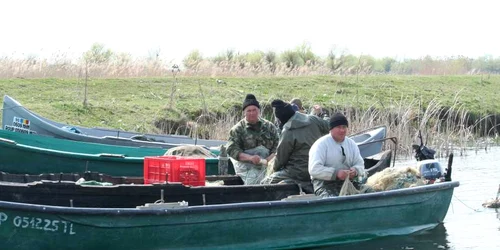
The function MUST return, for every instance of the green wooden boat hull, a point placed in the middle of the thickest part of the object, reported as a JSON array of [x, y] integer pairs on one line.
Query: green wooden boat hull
[[33, 154], [256, 225]]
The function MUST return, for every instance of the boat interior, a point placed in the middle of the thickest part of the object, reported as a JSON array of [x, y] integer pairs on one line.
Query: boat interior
[[93, 189]]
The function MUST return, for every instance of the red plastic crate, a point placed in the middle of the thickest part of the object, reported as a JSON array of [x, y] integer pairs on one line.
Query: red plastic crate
[[189, 171]]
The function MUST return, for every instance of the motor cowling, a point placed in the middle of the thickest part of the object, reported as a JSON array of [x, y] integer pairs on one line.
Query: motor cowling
[[431, 170]]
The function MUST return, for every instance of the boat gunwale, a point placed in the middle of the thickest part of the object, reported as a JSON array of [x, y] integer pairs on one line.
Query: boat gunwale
[[227, 207], [69, 154], [374, 130]]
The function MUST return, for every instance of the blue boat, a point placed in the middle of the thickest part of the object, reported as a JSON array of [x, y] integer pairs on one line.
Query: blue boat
[[17, 118]]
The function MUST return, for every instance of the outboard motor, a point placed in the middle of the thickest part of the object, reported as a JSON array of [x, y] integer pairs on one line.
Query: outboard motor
[[429, 168], [421, 151]]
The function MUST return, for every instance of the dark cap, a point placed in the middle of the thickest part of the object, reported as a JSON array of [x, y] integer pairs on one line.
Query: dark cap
[[250, 100], [297, 102], [282, 110], [338, 119]]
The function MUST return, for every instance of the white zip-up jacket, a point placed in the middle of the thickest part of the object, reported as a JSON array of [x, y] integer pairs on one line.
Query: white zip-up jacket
[[326, 158]]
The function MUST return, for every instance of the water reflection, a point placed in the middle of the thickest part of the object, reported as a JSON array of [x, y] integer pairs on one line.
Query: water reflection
[[498, 214], [468, 225], [426, 240], [497, 211]]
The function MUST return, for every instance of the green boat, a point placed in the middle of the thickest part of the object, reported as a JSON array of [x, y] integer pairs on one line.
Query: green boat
[[295, 222], [53, 155], [35, 154]]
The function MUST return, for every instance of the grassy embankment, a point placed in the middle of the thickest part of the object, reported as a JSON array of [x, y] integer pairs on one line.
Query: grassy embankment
[[404, 103]]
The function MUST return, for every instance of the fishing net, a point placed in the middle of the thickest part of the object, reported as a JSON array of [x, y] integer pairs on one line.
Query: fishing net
[[191, 150], [83, 182], [214, 183], [252, 174], [270, 169], [348, 188], [394, 178]]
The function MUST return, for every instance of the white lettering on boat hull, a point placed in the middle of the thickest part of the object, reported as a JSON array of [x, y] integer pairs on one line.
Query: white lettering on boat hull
[[26, 222]]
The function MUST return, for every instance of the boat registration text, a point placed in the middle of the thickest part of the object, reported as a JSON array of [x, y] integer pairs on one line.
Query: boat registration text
[[26, 222], [20, 125]]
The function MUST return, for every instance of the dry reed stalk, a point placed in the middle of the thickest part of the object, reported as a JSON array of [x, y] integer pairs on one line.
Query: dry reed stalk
[[62, 65], [404, 121]]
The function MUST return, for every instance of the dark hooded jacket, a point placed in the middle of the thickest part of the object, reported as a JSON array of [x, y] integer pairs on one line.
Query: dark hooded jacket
[[297, 137]]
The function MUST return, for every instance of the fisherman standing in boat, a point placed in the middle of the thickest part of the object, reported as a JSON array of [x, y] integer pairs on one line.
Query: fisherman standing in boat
[[299, 133], [333, 158], [296, 102], [252, 143], [316, 109]]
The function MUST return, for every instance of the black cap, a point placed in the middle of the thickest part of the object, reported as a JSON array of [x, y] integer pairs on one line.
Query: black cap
[[250, 100], [282, 110], [338, 119]]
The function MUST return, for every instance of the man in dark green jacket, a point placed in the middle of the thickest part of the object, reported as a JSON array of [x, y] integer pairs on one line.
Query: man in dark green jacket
[[299, 133]]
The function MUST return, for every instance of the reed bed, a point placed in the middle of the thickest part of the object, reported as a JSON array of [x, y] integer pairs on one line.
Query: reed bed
[[118, 65], [151, 68], [444, 129]]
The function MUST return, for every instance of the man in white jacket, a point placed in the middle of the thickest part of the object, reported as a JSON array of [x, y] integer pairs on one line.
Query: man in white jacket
[[333, 158]]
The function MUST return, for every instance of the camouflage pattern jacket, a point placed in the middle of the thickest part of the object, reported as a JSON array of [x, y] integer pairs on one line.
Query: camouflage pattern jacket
[[244, 136]]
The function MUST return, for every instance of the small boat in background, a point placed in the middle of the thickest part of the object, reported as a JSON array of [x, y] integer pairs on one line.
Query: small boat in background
[[370, 141], [17, 118], [36, 154]]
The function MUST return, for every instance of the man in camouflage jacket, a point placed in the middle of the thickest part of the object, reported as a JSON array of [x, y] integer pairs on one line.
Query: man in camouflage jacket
[[252, 143]]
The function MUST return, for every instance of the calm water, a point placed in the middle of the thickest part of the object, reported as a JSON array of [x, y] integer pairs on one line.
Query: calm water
[[467, 225]]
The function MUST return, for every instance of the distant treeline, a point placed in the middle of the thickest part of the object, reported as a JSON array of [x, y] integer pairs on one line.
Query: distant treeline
[[302, 61], [99, 61]]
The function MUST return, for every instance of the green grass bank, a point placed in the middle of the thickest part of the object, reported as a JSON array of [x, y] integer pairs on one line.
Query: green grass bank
[[147, 104]]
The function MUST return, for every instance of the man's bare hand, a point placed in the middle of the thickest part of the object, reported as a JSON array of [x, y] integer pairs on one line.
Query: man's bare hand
[[352, 173], [342, 174], [255, 159], [317, 110]]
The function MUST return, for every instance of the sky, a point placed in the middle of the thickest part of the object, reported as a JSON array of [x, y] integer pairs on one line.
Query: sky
[[395, 28]]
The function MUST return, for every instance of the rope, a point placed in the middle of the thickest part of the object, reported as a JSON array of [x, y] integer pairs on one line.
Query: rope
[[473, 209]]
